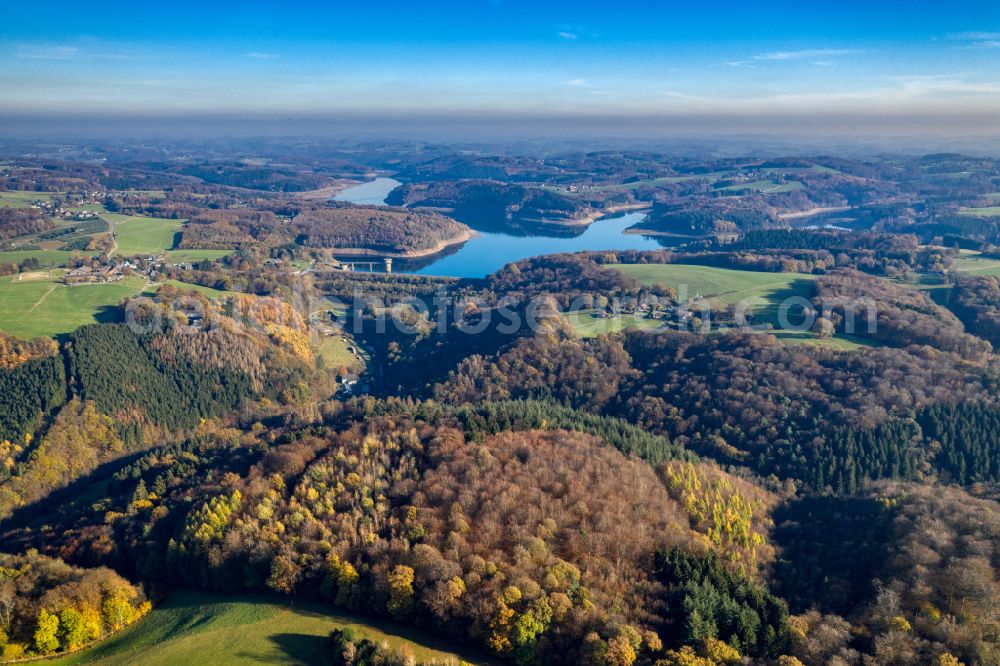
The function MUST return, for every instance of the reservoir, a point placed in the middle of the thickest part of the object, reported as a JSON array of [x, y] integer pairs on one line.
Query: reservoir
[[369, 194], [491, 250]]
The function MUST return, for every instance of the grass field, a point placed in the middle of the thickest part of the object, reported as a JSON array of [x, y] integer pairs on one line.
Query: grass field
[[23, 199], [47, 258], [670, 180], [152, 194], [840, 342], [43, 307], [143, 235], [334, 351], [54, 258], [719, 285], [588, 325], [207, 291], [764, 186], [974, 265], [194, 256], [193, 628], [89, 208], [790, 171], [764, 292], [986, 211]]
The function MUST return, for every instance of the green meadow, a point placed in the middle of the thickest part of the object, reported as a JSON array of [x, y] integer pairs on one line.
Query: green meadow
[[56, 258], [152, 194], [764, 186], [46, 258], [138, 235], [195, 629], [985, 211], [207, 291], [194, 256], [760, 185], [587, 324], [975, 265], [789, 171], [764, 291], [720, 285], [670, 180], [143, 235], [334, 351], [839, 342], [23, 199], [44, 307]]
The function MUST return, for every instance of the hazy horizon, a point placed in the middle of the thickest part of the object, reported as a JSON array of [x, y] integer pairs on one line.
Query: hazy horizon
[[696, 136], [652, 69]]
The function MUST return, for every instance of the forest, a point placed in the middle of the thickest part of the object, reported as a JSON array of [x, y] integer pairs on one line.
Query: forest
[[407, 511], [492, 203], [391, 230], [338, 227], [48, 606], [721, 218], [682, 495], [16, 222]]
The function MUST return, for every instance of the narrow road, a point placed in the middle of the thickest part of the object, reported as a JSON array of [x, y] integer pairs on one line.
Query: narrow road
[[114, 238]]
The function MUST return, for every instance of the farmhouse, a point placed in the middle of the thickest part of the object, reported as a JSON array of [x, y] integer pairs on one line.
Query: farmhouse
[[99, 275]]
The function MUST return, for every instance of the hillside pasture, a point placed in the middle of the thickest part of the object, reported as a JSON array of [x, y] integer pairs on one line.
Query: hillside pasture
[[137, 235], [764, 292], [789, 171], [198, 629], [589, 323], [720, 286], [206, 291], [46, 258], [985, 211], [24, 198], [671, 180], [763, 186], [194, 256], [45, 307], [335, 352], [976, 265]]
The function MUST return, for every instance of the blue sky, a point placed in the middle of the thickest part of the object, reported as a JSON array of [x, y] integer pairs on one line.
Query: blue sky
[[764, 58]]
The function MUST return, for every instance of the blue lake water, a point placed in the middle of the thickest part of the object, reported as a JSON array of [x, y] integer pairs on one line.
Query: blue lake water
[[490, 250], [369, 194]]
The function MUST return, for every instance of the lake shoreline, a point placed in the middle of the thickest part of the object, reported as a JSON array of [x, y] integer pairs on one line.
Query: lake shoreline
[[440, 246], [639, 231], [557, 223], [813, 211], [597, 215], [478, 252], [327, 191]]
